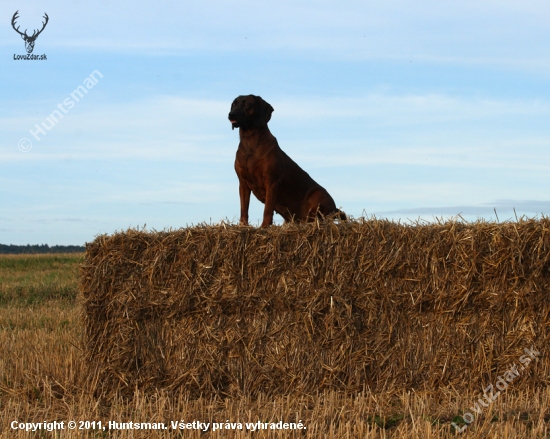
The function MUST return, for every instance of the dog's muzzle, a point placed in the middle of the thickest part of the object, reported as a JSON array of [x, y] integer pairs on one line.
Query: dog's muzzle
[[232, 119]]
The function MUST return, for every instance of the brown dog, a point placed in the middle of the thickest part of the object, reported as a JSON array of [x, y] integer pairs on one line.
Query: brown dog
[[274, 178]]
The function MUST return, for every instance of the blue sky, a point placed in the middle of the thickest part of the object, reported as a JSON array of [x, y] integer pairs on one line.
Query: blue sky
[[400, 109]]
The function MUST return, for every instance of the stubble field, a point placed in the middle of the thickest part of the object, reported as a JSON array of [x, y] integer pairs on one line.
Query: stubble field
[[42, 379]]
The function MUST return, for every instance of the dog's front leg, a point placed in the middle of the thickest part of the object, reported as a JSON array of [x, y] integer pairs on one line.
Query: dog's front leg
[[244, 194], [270, 198]]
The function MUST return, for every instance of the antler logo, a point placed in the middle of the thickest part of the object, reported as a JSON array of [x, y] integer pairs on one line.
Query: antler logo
[[29, 40]]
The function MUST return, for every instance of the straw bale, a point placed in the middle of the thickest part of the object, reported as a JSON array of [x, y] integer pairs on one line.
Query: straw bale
[[364, 304]]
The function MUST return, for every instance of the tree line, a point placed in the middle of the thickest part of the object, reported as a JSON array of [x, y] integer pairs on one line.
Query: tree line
[[43, 248]]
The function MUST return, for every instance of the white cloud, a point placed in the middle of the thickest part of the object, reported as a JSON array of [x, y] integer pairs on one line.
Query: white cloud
[[521, 207], [382, 108], [407, 129], [445, 31]]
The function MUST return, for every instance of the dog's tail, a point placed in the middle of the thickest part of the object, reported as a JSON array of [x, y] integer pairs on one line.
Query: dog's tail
[[337, 214], [340, 215]]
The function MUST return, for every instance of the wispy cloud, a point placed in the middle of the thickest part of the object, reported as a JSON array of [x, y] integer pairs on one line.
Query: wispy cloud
[[442, 32], [412, 109], [197, 130], [62, 220], [485, 209]]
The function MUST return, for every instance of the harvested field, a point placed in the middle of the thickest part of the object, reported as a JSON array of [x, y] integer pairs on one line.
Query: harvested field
[[44, 366], [361, 306]]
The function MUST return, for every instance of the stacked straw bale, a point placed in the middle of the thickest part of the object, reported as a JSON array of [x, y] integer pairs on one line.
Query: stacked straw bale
[[366, 304]]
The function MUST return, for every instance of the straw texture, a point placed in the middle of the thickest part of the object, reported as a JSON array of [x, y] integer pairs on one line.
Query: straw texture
[[363, 304]]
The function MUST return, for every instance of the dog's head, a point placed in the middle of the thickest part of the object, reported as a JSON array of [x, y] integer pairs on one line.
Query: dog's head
[[249, 111]]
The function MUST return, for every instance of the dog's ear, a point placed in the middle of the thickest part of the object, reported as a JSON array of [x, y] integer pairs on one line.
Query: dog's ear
[[262, 112]]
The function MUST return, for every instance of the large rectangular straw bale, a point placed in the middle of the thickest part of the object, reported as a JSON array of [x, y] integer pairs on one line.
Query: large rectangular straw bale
[[367, 304]]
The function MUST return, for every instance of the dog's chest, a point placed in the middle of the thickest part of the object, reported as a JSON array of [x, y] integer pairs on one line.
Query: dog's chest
[[252, 170]]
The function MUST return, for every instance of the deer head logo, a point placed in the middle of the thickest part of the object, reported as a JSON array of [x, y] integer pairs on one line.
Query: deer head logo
[[29, 40]]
